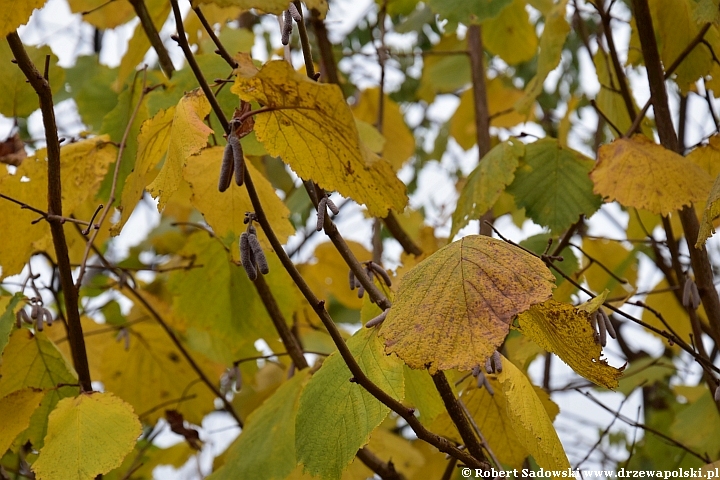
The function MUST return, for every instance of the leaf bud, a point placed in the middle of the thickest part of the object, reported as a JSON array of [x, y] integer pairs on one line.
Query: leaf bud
[[690, 296], [361, 291], [39, 323], [246, 256], [35, 311]]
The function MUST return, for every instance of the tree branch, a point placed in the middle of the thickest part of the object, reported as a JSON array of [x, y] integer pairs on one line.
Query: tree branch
[[153, 36], [666, 131], [41, 86]]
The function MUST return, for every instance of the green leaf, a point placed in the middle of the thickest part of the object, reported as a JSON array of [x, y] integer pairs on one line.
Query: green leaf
[[455, 308], [484, 185], [553, 186], [266, 446], [337, 416], [90, 87], [224, 314], [552, 40], [468, 12], [18, 98], [7, 319], [87, 436]]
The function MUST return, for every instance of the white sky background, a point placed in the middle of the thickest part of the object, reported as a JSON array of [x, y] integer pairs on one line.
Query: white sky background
[[579, 421]]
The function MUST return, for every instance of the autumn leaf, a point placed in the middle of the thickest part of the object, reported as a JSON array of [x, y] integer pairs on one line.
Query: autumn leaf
[[152, 146], [312, 129], [103, 15], [16, 13], [402, 143], [529, 419], [83, 167], [566, 331], [188, 135], [510, 35], [266, 446], [7, 318], [639, 173], [484, 185], [87, 436], [454, 309], [16, 410], [166, 374], [269, 6], [34, 361], [552, 185], [710, 213], [330, 399]]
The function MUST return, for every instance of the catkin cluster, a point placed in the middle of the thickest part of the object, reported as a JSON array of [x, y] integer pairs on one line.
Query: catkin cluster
[[323, 205], [371, 269], [233, 160], [600, 320], [38, 316], [292, 13], [251, 253]]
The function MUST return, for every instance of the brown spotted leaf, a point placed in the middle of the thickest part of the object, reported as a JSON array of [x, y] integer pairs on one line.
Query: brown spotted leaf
[[454, 309]]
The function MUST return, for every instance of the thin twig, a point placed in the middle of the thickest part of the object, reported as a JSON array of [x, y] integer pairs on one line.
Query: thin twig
[[116, 175], [154, 37]]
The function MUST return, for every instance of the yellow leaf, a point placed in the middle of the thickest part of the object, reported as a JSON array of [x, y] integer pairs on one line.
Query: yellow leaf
[[530, 420], [710, 213], [152, 147], [454, 309], [551, 44], [565, 331], [490, 413], [103, 14], [676, 28], [188, 135], [639, 173], [402, 143], [15, 412], [87, 436], [225, 212], [312, 129], [16, 13], [510, 35], [153, 357], [707, 156], [268, 6], [389, 447], [370, 136], [83, 167]]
